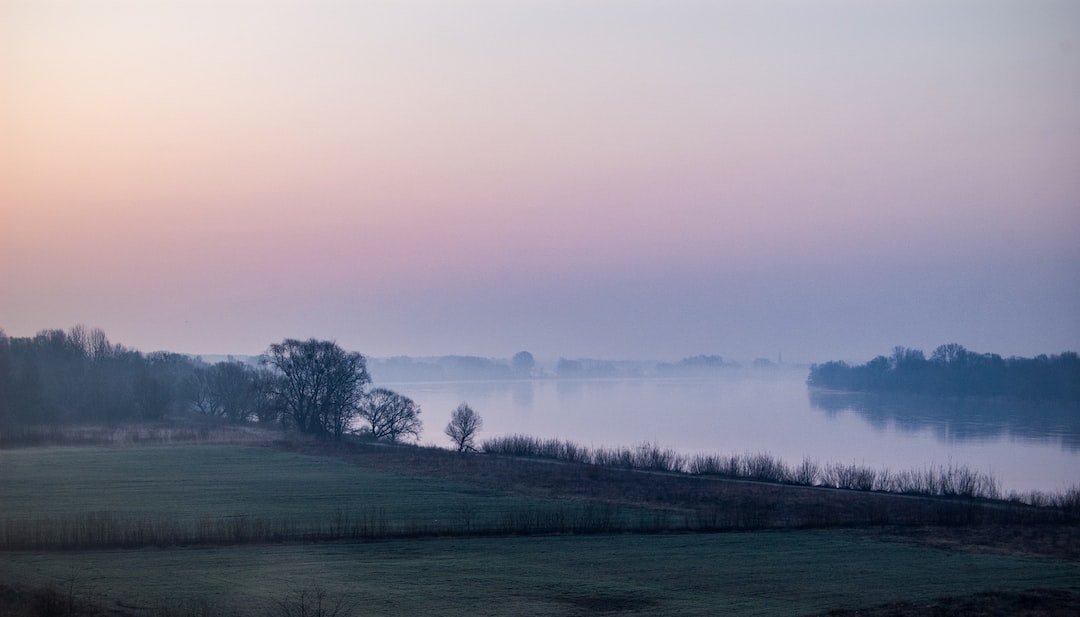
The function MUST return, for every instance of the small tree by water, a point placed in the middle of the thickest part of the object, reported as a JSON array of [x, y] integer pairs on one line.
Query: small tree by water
[[463, 427]]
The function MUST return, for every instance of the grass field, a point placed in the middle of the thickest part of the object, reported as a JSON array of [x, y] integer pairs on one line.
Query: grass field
[[56, 498], [761, 573], [191, 483]]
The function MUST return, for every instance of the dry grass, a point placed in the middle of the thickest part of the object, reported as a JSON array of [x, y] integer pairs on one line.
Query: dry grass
[[940, 481], [133, 434], [1054, 541], [706, 502], [164, 496]]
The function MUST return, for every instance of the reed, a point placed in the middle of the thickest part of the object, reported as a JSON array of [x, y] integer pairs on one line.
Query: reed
[[110, 530], [950, 480]]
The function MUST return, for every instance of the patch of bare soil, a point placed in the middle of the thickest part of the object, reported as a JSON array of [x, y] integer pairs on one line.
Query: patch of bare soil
[[1030, 603], [1054, 541]]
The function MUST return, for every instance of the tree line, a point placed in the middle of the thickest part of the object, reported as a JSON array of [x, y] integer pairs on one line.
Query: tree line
[[312, 386], [952, 370]]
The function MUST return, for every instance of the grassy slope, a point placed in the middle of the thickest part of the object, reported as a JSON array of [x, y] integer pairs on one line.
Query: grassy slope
[[189, 483], [778, 573]]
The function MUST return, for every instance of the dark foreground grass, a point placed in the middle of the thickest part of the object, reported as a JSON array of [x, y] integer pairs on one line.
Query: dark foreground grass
[[1028, 603], [760, 573]]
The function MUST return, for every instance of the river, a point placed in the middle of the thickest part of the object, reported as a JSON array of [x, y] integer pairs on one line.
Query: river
[[1025, 446]]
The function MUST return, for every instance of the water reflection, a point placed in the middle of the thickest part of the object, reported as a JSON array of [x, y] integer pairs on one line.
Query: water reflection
[[1027, 446], [574, 390], [957, 419], [522, 393]]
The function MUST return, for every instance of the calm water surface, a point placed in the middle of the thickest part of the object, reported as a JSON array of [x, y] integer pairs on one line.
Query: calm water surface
[[1025, 446]]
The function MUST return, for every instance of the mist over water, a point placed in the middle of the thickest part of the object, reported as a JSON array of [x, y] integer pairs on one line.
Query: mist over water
[[1026, 446]]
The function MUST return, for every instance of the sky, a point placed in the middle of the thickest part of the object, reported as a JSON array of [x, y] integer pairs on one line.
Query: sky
[[621, 179]]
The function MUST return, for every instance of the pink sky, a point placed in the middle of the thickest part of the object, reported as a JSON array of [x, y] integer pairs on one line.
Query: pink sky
[[599, 178]]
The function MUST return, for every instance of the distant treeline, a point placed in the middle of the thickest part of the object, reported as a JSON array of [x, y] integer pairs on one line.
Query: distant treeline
[[953, 370], [79, 376], [450, 368]]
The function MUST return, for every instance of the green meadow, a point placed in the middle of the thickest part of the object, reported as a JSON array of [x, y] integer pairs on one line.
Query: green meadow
[[188, 484], [427, 561], [100, 497]]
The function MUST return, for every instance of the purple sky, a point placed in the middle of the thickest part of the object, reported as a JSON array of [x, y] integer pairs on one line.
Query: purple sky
[[603, 178]]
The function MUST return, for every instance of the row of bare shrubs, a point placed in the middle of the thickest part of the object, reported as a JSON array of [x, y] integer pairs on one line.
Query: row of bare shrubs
[[585, 518], [111, 530], [647, 457], [950, 480], [941, 481], [1068, 501]]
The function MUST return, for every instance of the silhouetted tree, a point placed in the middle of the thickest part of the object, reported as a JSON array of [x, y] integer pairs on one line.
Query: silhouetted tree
[[463, 427], [199, 391], [152, 396], [390, 416], [315, 602], [523, 362], [157, 385], [905, 357], [949, 353], [92, 341], [318, 386], [229, 390]]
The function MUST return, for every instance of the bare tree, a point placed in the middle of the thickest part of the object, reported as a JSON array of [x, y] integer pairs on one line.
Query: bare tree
[[906, 357], [523, 363], [315, 602], [949, 353], [463, 426], [227, 389], [390, 415], [93, 342], [318, 385], [200, 392]]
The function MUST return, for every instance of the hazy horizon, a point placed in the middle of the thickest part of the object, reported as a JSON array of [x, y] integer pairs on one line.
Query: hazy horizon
[[624, 179]]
